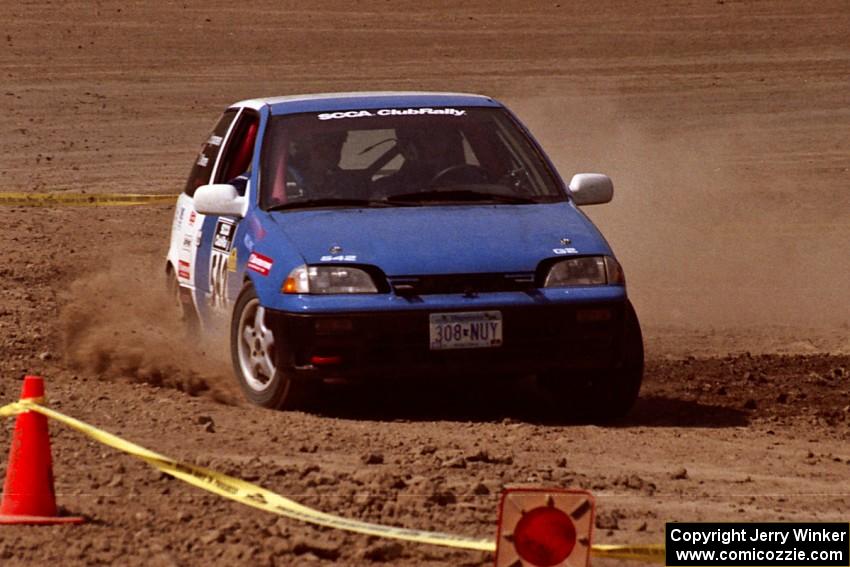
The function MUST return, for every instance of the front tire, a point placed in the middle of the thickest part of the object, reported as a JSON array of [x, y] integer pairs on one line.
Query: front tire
[[259, 358]]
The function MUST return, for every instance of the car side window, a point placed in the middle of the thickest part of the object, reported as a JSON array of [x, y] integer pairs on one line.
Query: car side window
[[202, 169], [236, 159]]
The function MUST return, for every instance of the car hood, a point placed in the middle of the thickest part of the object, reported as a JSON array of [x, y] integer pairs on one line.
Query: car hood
[[442, 239]]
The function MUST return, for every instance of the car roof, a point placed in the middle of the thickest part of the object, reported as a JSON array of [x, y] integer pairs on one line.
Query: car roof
[[324, 102]]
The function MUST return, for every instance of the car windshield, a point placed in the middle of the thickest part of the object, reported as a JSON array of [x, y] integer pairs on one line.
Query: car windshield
[[401, 157]]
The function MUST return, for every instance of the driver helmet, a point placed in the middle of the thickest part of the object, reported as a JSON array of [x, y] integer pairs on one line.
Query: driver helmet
[[318, 151]]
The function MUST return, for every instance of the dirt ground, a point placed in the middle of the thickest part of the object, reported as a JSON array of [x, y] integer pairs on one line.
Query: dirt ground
[[724, 127]]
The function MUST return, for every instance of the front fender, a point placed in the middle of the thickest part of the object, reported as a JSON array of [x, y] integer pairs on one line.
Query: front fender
[[265, 256]]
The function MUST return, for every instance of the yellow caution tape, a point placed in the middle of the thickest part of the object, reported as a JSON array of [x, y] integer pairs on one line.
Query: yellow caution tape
[[258, 497], [649, 553], [247, 493], [81, 199]]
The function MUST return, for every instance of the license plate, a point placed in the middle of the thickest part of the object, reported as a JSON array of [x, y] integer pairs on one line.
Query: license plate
[[475, 329]]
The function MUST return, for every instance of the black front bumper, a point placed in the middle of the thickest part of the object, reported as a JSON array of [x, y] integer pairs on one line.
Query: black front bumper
[[396, 344]]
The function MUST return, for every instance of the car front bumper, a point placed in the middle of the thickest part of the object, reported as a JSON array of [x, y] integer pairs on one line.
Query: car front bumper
[[396, 344]]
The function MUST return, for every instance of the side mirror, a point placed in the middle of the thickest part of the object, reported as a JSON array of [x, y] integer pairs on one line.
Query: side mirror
[[591, 188], [219, 199]]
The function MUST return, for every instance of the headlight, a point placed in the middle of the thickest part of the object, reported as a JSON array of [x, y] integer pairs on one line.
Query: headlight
[[328, 279], [588, 270]]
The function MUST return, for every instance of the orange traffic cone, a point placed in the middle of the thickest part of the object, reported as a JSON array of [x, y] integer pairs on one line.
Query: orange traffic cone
[[28, 496]]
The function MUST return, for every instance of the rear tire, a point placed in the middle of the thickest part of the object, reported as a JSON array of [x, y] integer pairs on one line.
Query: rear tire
[[188, 316], [260, 361], [602, 396]]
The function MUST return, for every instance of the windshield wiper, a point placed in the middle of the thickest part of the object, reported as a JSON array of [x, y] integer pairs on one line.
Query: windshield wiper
[[406, 199], [327, 202], [459, 195]]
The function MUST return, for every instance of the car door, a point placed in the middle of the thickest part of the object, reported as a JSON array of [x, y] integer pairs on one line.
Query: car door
[[187, 228], [216, 255]]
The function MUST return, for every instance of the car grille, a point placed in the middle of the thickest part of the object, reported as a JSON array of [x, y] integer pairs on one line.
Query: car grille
[[461, 283]]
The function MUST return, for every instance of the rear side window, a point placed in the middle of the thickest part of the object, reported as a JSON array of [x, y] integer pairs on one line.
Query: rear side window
[[202, 169], [236, 159]]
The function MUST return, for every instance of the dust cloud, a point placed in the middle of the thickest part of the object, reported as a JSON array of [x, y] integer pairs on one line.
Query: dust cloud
[[121, 325], [717, 231], [709, 234]]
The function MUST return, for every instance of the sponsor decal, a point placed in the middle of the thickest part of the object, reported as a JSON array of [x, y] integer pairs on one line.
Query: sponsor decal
[[260, 264], [223, 236], [346, 258], [192, 217], [203, 160], [232, 261], [183, 269], [218, 280], [564, 250], [214, 140], [223, 254], [391, 112], [187, 243], [180, 214]]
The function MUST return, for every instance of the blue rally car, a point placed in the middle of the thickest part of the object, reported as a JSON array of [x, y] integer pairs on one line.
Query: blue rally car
[[341, 237]]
